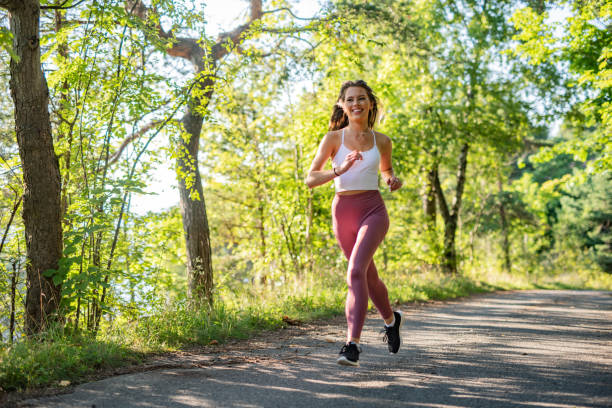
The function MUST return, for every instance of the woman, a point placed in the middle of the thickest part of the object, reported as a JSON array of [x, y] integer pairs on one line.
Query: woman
[[360, 218]]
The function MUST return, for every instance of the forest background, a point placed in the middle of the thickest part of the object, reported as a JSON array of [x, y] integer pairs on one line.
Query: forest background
[[500, 117]]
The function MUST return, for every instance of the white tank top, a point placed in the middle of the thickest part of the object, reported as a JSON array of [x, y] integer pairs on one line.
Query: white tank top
[[363, 174]]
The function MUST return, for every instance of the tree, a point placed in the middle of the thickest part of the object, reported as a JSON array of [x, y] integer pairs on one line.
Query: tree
[[41, 200], [204, 59]]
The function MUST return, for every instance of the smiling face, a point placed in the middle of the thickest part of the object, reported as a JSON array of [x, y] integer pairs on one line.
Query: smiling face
[[356, 104]]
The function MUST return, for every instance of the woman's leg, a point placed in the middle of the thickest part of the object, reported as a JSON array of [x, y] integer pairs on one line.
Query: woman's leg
[[378, 293], [369, 236]]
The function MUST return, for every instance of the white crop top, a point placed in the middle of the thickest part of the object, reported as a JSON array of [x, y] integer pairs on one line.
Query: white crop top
[[363, 174]]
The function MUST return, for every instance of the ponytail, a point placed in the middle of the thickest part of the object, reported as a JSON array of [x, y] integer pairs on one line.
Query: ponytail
[[338, 119]]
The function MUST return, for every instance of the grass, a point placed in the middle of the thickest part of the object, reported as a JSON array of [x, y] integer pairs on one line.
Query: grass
[[60, 356]]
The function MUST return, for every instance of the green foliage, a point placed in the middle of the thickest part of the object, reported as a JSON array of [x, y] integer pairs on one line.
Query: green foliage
[[6, 43], [585, 215], [59, 356], [585, 46], [536, 39], [515, 207]]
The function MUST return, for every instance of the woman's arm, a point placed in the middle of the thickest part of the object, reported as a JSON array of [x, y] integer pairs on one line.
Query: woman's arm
[[386, 168], [316, 175]]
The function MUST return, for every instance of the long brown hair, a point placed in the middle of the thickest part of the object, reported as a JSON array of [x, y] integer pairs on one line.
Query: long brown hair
[[339, 119]]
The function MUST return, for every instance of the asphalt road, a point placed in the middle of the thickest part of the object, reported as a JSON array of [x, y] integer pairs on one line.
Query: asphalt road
[[509, 349]]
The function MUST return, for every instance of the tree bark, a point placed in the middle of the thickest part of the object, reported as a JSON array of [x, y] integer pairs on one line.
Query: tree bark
[[41, 199], [308, 237], [504, 225], [450, 216], [261, 227], [429, 198], [193, 211], [13, 298]]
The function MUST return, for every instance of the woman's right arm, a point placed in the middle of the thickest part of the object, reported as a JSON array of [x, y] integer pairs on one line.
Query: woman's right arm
[[316, 175]]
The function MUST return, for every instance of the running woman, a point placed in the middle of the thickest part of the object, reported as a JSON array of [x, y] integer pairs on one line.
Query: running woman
[[360, 219]]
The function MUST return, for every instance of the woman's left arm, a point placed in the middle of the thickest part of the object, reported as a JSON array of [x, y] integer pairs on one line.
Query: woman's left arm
[[386, 168]]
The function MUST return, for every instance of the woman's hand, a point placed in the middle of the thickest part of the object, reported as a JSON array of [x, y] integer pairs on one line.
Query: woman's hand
[[350, 158], [394, 183]]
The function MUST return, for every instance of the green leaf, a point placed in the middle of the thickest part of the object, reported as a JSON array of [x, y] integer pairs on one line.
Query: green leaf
[[6, 42], [58, 279], [93, 269]]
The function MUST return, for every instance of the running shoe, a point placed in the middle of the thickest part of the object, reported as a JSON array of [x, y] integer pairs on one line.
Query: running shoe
[[349, 355], [392, 334]]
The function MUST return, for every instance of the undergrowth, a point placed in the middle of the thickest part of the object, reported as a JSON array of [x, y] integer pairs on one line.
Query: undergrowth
[[60, 356]]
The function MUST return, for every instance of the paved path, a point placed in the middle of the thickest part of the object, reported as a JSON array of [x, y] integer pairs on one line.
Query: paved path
[[509, 349]]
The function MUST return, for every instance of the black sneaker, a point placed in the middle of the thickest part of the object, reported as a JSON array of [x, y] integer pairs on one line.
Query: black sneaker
[[349, 355], [392, 334]]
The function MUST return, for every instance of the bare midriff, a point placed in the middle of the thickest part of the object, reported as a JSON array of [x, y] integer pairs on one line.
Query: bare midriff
[[351, 192]]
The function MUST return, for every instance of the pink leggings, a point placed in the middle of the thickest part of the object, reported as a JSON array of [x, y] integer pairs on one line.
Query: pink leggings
[[360, 224]]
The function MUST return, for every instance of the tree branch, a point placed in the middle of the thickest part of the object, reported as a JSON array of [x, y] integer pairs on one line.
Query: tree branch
[[188, 48], [537, 143], [8, 226], [10, 4], [286, 30], [312, 46], [287, 9], [130, 139], [70, 22], [61, 6]]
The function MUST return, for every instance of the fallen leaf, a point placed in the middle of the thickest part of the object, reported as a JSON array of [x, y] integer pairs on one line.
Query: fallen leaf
[[290, 321]]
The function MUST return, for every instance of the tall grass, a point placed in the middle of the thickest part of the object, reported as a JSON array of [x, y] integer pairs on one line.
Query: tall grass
[[61, 356]]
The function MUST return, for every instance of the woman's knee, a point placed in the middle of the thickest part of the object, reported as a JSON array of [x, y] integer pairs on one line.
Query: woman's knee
[[356, 275]]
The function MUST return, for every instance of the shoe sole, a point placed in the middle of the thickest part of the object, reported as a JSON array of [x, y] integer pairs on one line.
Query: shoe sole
[[346, 362], [399, 330]]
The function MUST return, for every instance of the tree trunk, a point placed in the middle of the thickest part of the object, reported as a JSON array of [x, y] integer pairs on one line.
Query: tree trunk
[[449, 263], [193, 211], [504, 224], [41, 200], [308, 235], [261, 227], [13, 297], [429, 199]]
